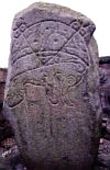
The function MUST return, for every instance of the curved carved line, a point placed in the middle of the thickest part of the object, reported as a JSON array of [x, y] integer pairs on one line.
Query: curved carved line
[[17, 103], [47, 20], [37, 54], [34, 68], [17, 59], [60, 48]]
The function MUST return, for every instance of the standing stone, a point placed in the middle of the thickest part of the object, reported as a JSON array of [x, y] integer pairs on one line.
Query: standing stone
[[52, 97]]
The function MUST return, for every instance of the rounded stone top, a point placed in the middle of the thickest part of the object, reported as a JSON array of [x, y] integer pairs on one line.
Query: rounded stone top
[[54, 8]]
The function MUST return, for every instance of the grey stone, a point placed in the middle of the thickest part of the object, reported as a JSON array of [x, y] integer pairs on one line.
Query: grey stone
[[52, 95], [104, 154], [104, 66], [5, 129]]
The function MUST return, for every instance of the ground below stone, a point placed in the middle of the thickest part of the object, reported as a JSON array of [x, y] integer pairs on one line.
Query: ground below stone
[[10, 157]]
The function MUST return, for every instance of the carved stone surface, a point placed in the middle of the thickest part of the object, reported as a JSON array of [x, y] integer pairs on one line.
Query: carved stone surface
[[52, 97]]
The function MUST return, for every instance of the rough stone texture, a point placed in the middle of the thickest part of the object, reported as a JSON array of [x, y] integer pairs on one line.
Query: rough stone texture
[[105, 94], [105, 84], [5, 129], [104, 149], [3, 74], [104, 154], [52, 97]]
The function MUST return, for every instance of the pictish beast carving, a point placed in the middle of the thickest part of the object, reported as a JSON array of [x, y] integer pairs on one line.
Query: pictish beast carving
[[52, 88]]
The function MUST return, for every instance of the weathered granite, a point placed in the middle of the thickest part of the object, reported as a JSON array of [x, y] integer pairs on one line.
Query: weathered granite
[[52, 96]]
